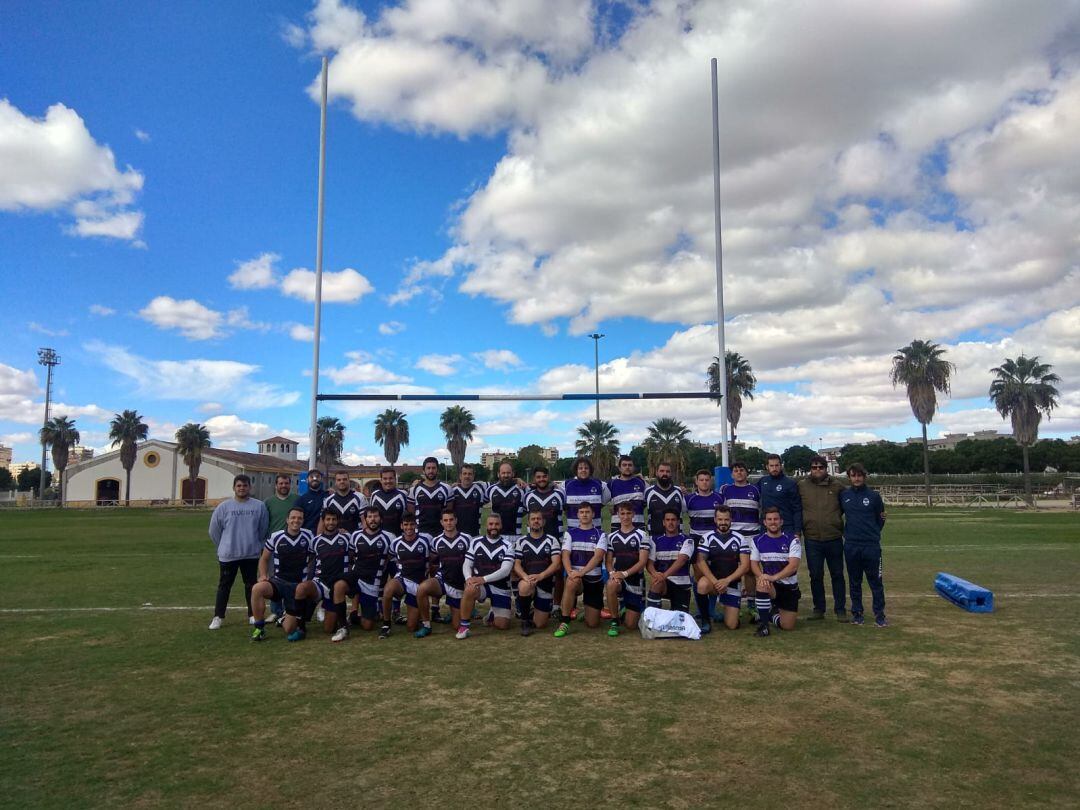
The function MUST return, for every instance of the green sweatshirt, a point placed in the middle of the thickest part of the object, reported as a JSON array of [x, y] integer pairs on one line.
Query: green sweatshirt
[[279, 511], [822, 518]]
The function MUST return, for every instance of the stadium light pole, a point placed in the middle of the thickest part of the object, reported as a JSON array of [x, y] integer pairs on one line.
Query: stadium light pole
[[50, 359], [313, 432], [722, 357], [596, 365]]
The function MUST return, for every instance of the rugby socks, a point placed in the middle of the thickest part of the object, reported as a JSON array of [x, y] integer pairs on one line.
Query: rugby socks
[[260, 624], [524, 604], [395, 607], [464, 623], [776, 621], [339, 609], [764, 609], [703, 606]]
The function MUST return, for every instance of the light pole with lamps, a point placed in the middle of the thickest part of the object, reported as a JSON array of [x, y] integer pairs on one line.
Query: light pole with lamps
[[48, 358], [596, 364]]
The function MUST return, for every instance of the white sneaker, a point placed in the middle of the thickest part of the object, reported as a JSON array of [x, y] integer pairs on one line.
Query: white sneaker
[[463, 632], [251, 620], [271, 617], [215, 623], [341, 634], [320, 615]]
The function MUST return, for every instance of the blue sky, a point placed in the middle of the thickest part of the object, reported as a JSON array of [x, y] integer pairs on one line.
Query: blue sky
[[503, 178]]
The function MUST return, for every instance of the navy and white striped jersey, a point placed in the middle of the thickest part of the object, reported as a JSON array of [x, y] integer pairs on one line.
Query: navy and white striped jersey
[[448, 554], [391, 506], [487, 556], [581, 490], [745, 505], [508, 502], [348, 506], [536, 553], [289, 554], [664, 549], [411, 557], [468, 501], [702, 509], [331, 556], [430, 502], [582, 544], [626, 547], [368, 553], [552, 502], [631, 490], [657, 501], [774, 552], [721, 552]]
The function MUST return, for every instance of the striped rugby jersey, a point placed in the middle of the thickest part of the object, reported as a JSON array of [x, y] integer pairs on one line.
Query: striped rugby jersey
[[449, 555], [580, 490], [535, 553], [658, 500], [508, 502], [368, 554], [626, 548], [289, 554], [411, 557], [702, 509], [627, 489], [664, 549], [745, 505], [348, 506], [468, 501], [429, 503], [391, 505], [721, 551], [488, 556], [552, 502], [774, 552], [582, 544], [331, 556]]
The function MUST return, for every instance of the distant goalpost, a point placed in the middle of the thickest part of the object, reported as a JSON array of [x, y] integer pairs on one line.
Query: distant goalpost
[[593, 397]]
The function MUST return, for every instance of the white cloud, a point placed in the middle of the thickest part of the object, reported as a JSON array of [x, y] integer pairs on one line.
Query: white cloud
[[34, 326], [189, 317], [441, 365], [499, 359], [101, 310], [255, 274], [53, 162], [211, 407], [361, 371], [346, 286], [302, 332], [142, 135], [391, 328], [231, 432], [17, 390]]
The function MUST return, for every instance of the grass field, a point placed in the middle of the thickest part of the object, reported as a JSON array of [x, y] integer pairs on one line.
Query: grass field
[[110, 703]]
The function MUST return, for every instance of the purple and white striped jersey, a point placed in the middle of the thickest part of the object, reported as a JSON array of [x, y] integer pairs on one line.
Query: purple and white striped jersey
[[552, 502], [702, 509], [582, 545], [486, 557], [331, 556], [657, 501], [664, 550], [626, 548], [508, 502], [745, 505], [430, 502], [468, 503], [774, 552], [411, 557], [368, 553], [630, 490], [289, 554], [348, 506], [391, 506], [580, 490], [721, 552]]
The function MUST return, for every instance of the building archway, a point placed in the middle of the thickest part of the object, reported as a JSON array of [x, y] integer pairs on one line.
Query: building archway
[[107, 491]]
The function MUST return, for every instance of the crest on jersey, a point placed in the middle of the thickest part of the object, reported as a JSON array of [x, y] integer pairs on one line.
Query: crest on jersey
[[779, 487], [865, 501]]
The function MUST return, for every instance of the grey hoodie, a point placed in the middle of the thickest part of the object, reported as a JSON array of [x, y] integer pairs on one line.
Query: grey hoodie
[[238, 527]]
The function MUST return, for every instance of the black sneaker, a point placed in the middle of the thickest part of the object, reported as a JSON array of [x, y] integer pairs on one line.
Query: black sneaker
[[816, 616], [354, 619], [763, 630], [526, 627], [399, 619], [842, 617], [384, 631]]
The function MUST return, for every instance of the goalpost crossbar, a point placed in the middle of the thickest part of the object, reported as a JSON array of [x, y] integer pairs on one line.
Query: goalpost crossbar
[[514, 397]]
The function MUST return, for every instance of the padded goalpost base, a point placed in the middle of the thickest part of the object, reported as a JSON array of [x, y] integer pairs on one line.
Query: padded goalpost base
[[967, 595]]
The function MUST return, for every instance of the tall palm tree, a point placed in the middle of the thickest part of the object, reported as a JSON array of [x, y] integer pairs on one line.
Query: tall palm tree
[[60, 435], [922, 369], [392, 432], [740, 385], [457, 425], [127, 429], [599, 441], [1023, 389], [329, 441], [667, 440], [191, 440]]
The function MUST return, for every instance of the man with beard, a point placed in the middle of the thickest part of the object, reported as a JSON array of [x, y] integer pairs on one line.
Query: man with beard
[[470, 496], [627, 487], [487, 567], [368, 549], [507, 499], [669, 557], [661, 497], [430, 497], [312, 501], [721, 558], [538, 557], [410, 553], [583, 488], [448, 557], [744, 501], [347, 502], [823, 537]]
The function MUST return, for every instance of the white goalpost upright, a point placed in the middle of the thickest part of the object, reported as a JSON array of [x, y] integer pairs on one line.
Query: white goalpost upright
[[313, 430], [721, 359]]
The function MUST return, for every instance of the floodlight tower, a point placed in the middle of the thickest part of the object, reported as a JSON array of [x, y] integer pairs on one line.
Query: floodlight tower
[[50, 359], [596, 364]]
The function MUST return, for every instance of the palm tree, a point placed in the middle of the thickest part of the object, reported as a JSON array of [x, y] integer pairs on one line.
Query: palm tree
[[392, 432], [1023, 389], [60, 435], [600, 443], [127, 429], [740, 385], [922, 369], [191, 440], [667, 440], [457, 425], [329, 441]]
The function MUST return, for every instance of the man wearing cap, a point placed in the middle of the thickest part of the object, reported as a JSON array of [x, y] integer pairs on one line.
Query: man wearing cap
[[864, 517], [823, 537]]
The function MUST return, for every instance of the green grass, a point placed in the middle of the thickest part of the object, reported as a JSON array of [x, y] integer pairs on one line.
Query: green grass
[[147, 707]]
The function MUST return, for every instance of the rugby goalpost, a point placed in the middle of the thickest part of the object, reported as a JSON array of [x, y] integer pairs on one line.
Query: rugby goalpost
[[596, 396]]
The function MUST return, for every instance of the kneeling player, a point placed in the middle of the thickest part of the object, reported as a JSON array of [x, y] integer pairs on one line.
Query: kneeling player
[[669, 554], [448, 554], [627, 556], [410, 553], [774, 557], [721, 559], [487, 567], [331, 552], [583, 550], [368, 548], [537, 559], [289, 549]]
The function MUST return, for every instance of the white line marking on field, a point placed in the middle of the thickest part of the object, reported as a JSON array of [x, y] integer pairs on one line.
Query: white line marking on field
[[1002, 547]]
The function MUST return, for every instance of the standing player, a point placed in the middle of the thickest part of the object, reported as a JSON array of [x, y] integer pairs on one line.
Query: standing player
[[487, 567], [469, 498], [660, 497], [583, 550], [430, 497], [312, 501], [721, 558], [392, 504], [669, 557], [864, 518], [627, 487], [744, 501], [331, 551], [409, 553], [537, 559], [289, 550], [774, 557], [507, 500], [627, 556], [701, 505], [368, 549], [448, 557], [583, 488], [549, 499], [347, 502]]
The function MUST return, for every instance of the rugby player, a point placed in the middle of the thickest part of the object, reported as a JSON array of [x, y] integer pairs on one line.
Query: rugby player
[[312, 501], [669, 554], [660, 497], [721, 558], [583, 488], [583, 549], [430, 497], [628, 487], [469, 496], [537, 559], [487, 567], [368, 549], [744, 501], [347, 502], [409, 552], [448, 551], [506, 497], [627, 556], [331, 551], [550, 499], [289, 550], [774, 558], [393, 504]]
